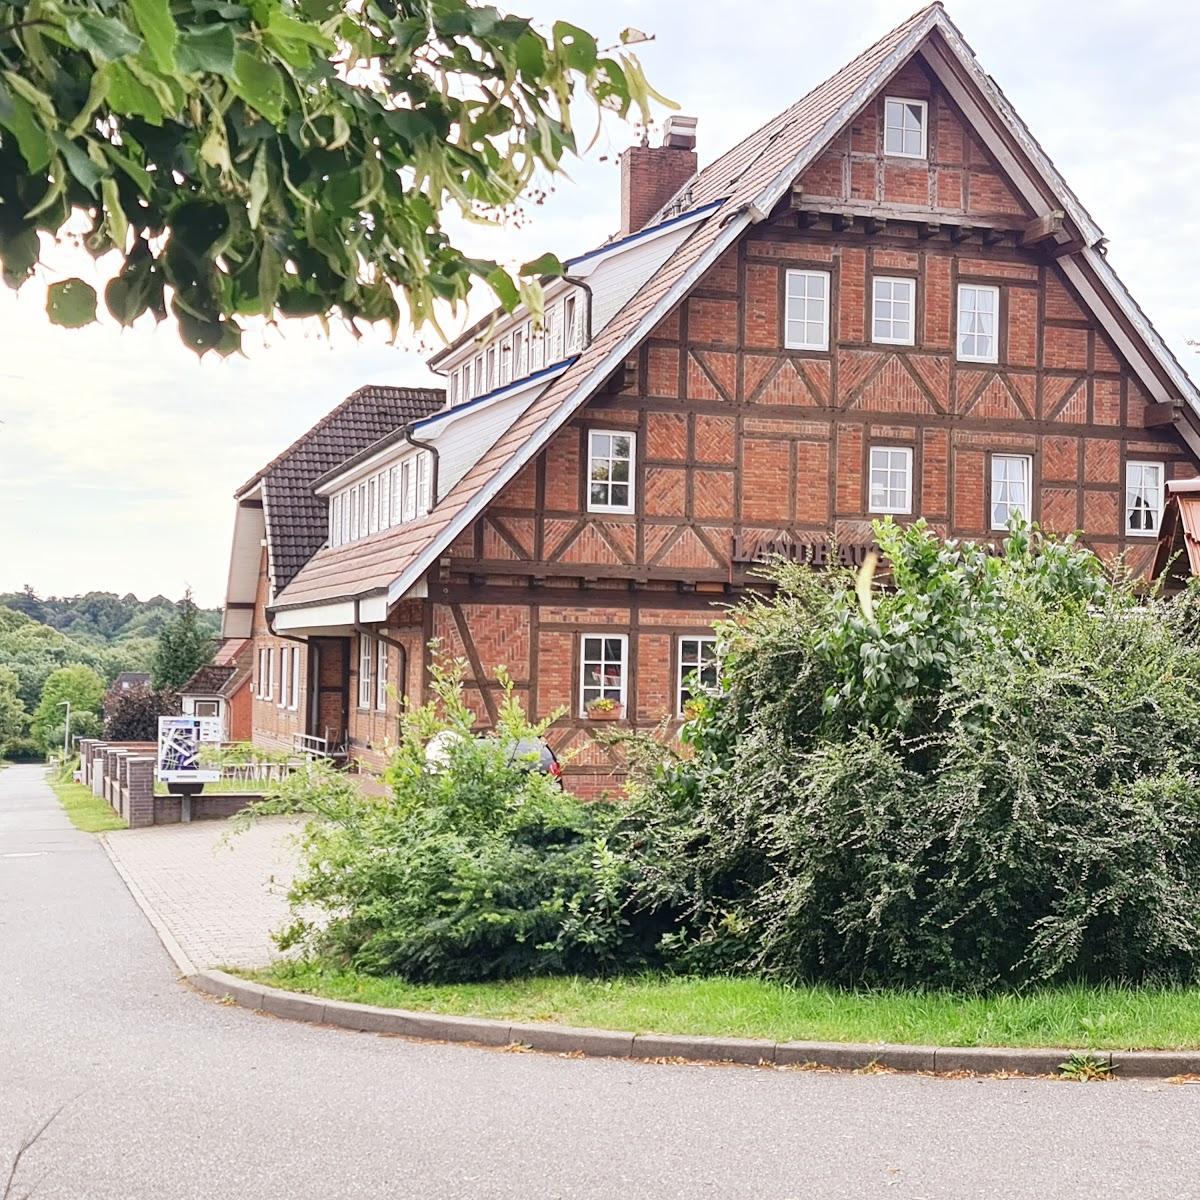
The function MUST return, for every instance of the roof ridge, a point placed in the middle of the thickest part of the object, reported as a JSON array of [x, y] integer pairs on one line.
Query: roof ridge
[[780, 119], [398, 392]]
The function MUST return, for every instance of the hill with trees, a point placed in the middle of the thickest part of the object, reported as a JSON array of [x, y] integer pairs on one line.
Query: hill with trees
[[48, 645]]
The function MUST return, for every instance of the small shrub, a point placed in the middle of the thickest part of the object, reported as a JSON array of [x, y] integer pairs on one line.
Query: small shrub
[[131, 714], [473, 867]]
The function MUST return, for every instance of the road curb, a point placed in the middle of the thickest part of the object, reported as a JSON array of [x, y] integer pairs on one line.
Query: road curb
[[612, 1043]]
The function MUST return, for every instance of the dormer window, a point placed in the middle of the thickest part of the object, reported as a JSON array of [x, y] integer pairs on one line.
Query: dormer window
[[904, 127]]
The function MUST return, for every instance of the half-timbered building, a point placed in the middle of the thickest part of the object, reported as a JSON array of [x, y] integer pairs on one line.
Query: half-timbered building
[[885, 301]]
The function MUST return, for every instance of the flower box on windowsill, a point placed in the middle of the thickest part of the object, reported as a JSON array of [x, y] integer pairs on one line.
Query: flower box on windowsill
[[604, 712]]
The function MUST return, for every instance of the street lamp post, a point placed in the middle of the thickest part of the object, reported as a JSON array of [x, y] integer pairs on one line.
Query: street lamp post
[[66, 728]]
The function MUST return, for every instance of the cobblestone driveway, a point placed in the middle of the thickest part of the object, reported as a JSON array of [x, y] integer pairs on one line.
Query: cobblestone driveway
[[220, 895]]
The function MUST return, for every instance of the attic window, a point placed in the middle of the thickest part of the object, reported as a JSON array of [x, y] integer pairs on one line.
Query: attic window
[[904, 125]]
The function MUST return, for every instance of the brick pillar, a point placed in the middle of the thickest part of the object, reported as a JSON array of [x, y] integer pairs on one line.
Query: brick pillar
[[140, 791], [96, 776]]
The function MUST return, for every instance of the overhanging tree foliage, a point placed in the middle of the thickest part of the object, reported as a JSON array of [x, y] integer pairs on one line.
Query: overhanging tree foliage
[[282, 157]]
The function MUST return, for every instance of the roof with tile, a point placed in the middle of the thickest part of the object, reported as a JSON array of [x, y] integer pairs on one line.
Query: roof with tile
[[296, 519], [748, 181]]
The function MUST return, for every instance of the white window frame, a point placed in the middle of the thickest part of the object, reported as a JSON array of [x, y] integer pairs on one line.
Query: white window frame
[[1144, 465], [681, 674], [385, 500], [335, 526], [366, 659], [592, 458], [959, 333], [260, 689], [796, 275], [603, 661], [892, 281], [381, 674], [423, 481], [903, 100], [373, 505], [906, 454], [285, 675], [518, 351], [1027, 509], [215, 705], [465, 391], [270, 673], [295, 704]]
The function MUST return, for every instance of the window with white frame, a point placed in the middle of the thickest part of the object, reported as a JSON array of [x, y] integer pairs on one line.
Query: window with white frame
[[1012, 485], [893, 312], [465, 392], [610, 471], [1143, 497], [602, 677], [697, 669], [406, 492], [424, 477], [285, 676], [295, 678], [373, 503], [905, 124], [366, 656], [381, 675], [206, 708], [264, 672], [571, 322], [891, 479], [978, 322], [270, 672], [806, 310], [518, 353]]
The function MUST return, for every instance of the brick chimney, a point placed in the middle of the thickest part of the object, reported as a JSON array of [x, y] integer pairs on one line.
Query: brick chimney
[[651, 175]]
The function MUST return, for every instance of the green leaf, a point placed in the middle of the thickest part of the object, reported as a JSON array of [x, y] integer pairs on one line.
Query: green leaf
[[158, 28], [106, 38], [19, 253], [128, 95], [206, 50], [71, 303], [260, 84], [506, 291], [270, 272], [80, 165], [547, 264], [259, 184], [139, 175], [29, 132], [118, 223]]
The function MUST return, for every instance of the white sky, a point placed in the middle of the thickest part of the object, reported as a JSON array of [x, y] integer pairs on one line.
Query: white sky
[[120, 451]]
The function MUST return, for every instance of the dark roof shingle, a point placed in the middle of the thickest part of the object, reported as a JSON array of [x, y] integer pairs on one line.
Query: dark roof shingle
[[296, 519]]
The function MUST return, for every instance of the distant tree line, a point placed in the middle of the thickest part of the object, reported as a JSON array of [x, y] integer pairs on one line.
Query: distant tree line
[[56, 650]]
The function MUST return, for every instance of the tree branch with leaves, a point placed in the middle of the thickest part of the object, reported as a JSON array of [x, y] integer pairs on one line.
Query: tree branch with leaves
[[280, 158]]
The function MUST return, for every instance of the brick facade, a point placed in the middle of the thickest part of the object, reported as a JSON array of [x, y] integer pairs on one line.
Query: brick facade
[[741, 440]]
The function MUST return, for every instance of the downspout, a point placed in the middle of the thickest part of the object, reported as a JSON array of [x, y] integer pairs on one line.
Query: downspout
[[575, 281], [363, 631]]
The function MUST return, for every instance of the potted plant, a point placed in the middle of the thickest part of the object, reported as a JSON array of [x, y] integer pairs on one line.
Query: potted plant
[[604, 709]]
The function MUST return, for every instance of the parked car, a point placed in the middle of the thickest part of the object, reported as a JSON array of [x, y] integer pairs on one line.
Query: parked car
[[532, 754]]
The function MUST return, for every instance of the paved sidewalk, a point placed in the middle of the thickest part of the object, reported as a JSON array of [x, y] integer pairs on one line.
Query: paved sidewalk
[[219, 894]]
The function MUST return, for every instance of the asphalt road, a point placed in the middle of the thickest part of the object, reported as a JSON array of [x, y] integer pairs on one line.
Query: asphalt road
[[169, 1096]]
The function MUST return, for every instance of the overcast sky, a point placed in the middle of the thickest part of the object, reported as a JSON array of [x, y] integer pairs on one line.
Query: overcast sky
[[120, 451]]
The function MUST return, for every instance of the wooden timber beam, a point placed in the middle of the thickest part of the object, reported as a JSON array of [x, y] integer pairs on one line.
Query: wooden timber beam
[[875, 224], [1156, 416], [928, 229], [842, 221], [829, 206], [960, 233], [1051, 225], [1064, 248], [992, 237]]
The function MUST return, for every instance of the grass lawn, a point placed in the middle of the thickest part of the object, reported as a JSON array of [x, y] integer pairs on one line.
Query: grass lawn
[[90, 813], [1081, 1017], [238, 787]]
